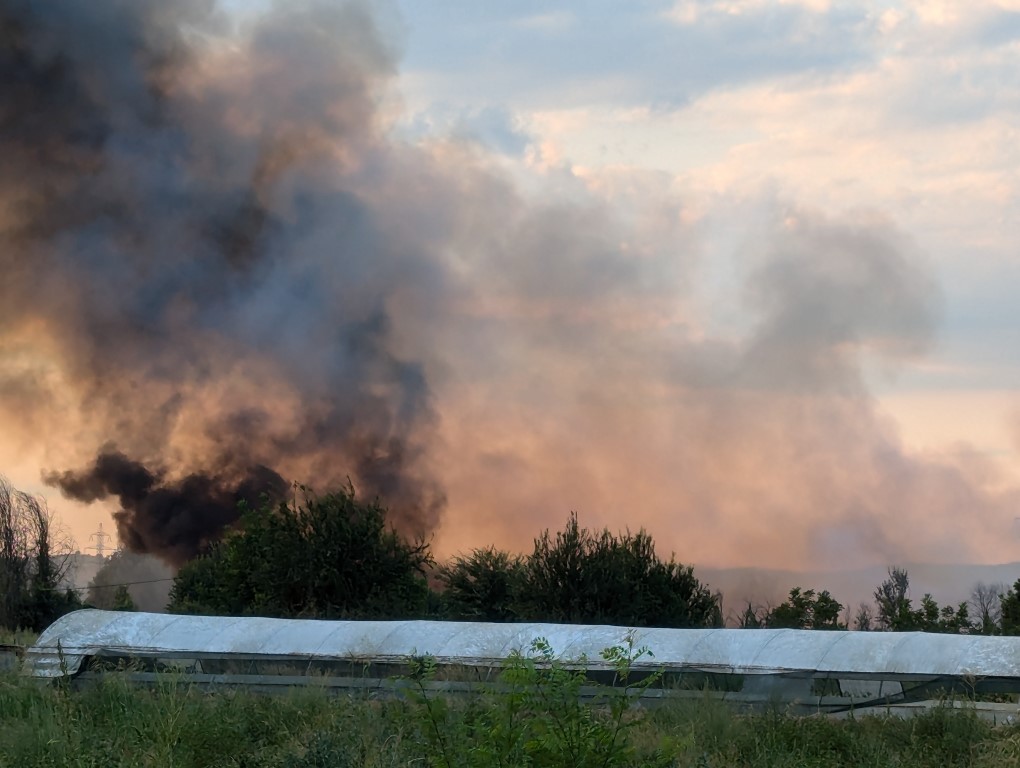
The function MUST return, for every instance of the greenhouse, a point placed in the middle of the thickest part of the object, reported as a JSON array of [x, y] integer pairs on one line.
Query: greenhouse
[[825, 668]]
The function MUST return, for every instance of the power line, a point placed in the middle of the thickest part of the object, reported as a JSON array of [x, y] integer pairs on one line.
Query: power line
[[123, 584]]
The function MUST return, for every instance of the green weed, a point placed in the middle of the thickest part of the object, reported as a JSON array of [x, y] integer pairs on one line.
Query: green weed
[[542, 714]]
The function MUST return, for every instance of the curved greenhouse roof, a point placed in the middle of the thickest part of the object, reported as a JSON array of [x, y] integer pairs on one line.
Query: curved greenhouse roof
[[91, 633]]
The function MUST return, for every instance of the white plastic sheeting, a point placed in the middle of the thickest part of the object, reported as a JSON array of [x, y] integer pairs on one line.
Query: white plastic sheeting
[[90, 633]]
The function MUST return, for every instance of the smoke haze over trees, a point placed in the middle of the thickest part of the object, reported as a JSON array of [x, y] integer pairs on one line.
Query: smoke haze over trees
[[144, 579], [334, 557], [224, 270]]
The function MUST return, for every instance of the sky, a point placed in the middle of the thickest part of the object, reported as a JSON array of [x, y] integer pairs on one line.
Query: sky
[[738, 272], [727, 111]]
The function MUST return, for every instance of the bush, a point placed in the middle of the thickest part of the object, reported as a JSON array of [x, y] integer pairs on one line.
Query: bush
[[806, 610], [482, 586], [538, 718], [586, 578], [331, 557]]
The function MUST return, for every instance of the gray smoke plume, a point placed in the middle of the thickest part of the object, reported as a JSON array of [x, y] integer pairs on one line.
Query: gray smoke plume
[[147, 579], [218, 257], [183, 230]]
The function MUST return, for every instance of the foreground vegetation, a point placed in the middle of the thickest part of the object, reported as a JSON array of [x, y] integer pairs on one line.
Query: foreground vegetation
[[535, 717], [173, 725]]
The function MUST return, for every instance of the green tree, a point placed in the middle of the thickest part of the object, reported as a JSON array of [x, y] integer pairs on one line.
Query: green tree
[[122, 599], [597, 578], [895, 611], [931, 618], [926, 618], [955, 621], [807, 610], [332, 556], [481, 586], [1009, 606]]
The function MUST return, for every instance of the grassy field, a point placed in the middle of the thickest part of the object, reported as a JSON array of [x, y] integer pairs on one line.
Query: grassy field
[[114, 724]]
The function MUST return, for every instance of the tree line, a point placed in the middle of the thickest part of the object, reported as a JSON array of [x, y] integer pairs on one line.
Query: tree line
[[993, 609], [335, 556]]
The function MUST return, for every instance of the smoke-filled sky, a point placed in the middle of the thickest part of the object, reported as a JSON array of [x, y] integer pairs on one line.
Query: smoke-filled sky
[[739, 272]]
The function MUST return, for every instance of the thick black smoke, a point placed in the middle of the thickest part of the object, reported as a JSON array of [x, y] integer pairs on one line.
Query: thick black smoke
[[171, 518], [184, 229]]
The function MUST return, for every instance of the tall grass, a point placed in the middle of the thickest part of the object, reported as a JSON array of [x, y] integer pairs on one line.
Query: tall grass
[[22, 637], [173, 725]]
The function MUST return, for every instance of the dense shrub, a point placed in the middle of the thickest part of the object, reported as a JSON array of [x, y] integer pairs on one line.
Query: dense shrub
[[806, 610], [332, 556], [582, 577], [481, 586]]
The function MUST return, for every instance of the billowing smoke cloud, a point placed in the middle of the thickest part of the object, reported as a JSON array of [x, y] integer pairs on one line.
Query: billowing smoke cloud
[[218, 258], [753, 441], [183, 236], [173, 518]]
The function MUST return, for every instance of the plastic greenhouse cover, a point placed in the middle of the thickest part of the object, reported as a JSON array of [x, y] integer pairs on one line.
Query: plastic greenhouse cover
[[63, 646]]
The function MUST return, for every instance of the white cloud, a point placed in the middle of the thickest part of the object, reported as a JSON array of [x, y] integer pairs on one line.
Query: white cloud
[[552, 21], [689, 12]]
